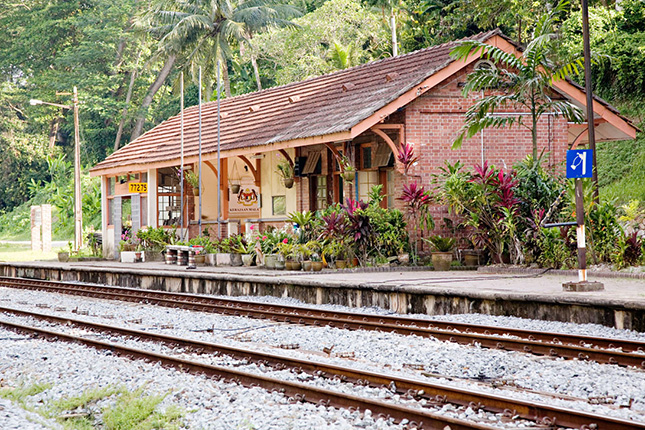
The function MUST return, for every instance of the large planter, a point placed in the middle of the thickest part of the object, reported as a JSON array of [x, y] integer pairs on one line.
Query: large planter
[[211, 259], [63, 257], [247, 259], [441, 261], [200, 259], [316, 266], [236, 259], [129, 256], [223, 259], [270, 261], [152, 256]]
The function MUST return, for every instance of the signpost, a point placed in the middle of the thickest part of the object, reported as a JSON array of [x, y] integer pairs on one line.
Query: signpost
[[580, 165]]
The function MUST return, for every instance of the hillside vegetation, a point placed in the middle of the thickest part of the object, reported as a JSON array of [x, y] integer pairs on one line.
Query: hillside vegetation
[[125, 57]]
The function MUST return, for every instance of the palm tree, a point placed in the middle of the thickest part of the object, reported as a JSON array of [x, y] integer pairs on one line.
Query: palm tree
[[207, 31], [203, 33], [523, 81]]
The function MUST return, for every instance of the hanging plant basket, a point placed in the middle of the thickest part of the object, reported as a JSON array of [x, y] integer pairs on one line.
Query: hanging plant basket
[[235, 188], [348, 176], [288, 182]]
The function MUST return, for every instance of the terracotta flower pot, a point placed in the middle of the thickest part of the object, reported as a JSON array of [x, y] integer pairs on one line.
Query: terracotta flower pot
[[316, 266], [441, 261]]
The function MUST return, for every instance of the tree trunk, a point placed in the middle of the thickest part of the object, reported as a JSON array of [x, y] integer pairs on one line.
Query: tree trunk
[[395, 49], [53, 132], [128, 96], [534, 135], [226, 79], [254, 62], [147, 100]]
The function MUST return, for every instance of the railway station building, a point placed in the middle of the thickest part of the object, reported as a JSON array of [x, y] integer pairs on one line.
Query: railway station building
[[362, 113]]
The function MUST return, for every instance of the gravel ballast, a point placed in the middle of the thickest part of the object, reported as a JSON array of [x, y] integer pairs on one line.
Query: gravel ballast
[[71, 368]]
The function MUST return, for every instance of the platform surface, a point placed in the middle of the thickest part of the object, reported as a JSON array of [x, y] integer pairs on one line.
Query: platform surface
[[527, 285]]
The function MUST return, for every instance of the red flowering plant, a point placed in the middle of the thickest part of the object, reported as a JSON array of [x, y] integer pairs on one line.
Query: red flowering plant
[[417, 205], [487, 199]]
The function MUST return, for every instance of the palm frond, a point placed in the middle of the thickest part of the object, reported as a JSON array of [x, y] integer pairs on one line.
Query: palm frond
[[472, 47]]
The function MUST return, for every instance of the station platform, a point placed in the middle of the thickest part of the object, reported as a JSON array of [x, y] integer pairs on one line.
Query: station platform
[[527, 293]]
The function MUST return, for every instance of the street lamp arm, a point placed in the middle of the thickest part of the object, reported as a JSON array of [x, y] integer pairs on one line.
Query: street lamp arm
[[35, 102]]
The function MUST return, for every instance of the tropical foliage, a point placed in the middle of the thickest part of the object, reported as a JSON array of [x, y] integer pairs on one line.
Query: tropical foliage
[[523, 81]]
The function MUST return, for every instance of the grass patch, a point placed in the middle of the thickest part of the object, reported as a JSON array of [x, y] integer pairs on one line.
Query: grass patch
[[621, 170], [133, 411], [20, 393], [130, 411], [19, 252]]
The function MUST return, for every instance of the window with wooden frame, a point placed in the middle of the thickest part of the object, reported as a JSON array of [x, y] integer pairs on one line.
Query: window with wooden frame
[[168, 197]]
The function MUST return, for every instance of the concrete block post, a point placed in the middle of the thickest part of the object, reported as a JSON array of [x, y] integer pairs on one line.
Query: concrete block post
[[36, 221], [47, 227]]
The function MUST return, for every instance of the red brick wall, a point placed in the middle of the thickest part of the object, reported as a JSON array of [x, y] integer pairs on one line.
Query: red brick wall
[[433, 121]]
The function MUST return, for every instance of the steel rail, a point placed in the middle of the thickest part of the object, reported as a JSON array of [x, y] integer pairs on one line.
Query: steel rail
[[294, 390], [529, 341], [436, 393]]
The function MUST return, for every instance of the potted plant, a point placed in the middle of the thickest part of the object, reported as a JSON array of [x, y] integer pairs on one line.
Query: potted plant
[[442, 256], [246, 250], [348, 171], [238, 248], [334, 252], [286, 251], [64, 253], [192, 177], [316, 262], [154, 241], [284, 169]]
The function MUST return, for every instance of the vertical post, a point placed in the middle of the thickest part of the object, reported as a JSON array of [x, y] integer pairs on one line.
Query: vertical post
[[181, 167], [580, 233], [199, 221], [588, 90], [78, 211], [219, 162]]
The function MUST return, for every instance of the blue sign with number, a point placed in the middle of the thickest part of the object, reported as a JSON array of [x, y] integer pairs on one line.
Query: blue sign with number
[[579, 163]]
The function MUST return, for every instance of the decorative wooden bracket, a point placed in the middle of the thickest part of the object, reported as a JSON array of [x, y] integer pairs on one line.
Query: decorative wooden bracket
[[378, 130], [334, 151], [256, 173], [286, 156], [213, 168]]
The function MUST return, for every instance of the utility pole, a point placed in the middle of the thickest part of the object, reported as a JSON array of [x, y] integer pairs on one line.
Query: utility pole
[[78, 210], [589, 91]]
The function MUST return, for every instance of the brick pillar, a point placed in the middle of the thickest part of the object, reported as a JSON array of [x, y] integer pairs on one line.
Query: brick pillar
[[46, 212]]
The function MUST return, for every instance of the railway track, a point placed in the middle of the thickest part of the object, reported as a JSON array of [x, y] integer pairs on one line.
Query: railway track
[[543, 415], [602, 350]]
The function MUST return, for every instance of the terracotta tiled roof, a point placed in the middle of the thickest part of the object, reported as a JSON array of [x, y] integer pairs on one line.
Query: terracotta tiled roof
[[315, 107]]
